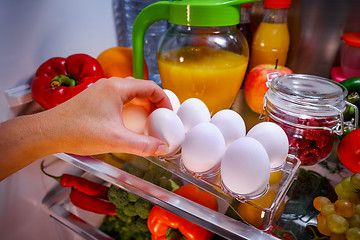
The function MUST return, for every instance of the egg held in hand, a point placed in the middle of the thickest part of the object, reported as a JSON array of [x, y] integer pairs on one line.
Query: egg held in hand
[[202, 149], [192, 112], [245, 167], [167, 126], [230, 123], [135, 117], [274, 140]]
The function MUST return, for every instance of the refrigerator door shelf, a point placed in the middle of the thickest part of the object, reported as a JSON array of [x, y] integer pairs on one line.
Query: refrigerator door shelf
[[18, 95], [216, 222], [69, 220]]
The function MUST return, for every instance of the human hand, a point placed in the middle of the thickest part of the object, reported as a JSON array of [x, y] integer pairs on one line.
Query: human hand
[[91, 122]]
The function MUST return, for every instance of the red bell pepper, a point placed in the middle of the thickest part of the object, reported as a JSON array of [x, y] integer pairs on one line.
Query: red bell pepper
[[59, 79], [349, 151], [166, 225]]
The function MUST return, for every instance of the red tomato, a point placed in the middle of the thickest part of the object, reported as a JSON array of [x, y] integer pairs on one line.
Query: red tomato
[[349, 151]]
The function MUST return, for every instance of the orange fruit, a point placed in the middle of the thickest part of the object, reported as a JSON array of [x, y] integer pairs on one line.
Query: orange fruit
[[118, 62]]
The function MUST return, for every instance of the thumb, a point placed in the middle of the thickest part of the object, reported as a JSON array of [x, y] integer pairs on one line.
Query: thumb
[[142, 145]]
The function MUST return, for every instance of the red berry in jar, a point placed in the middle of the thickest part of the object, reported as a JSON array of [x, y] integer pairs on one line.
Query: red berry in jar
[[309, 109], [308, 144]]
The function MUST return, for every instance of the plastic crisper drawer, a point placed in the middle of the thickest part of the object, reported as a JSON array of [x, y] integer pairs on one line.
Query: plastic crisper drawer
[[217, 222]]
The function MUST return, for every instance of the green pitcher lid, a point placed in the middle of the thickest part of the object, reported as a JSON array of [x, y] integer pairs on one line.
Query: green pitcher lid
[[205, 13]]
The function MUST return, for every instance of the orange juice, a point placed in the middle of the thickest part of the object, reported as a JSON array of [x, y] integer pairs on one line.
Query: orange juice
[[213, 76], [271, 41]]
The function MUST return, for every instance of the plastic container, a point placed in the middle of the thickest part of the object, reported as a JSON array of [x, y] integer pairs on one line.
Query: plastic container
[[125, 13], [310, 110], [350, 54], [337, 74]]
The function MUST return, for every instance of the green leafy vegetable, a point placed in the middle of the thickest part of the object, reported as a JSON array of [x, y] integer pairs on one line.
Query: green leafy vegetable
[[130, 222]]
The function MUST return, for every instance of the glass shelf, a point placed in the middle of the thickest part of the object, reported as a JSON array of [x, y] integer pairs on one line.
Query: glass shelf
[[216, 222]]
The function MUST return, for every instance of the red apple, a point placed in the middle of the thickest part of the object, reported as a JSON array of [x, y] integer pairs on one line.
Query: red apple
[[255, 84]]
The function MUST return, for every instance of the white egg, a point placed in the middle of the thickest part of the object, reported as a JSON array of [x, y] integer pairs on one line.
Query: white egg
[[274, 140], [134, 117], [245, 167], [167, 126], [192, 112], [175, 102], [230, 123], [203, 148]]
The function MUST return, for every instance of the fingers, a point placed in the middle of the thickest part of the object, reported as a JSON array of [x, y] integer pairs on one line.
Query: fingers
[[142, 145], [144, 103], [143, 89], [100, 118]]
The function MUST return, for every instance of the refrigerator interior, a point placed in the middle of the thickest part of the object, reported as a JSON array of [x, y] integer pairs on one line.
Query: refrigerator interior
[[34, 31]]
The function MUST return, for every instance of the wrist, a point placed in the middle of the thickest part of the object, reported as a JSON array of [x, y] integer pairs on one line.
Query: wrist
[[23, 141], [30, 136]]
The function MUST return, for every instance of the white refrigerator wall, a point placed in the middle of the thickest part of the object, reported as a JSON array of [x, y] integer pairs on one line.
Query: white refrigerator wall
[[30, 33]]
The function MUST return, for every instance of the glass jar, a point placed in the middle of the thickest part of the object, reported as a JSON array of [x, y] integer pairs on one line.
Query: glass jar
[[310, 110]]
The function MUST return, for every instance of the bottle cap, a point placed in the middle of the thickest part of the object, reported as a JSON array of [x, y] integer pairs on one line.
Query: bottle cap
[[351, 38], [277, 3], [246, 5]]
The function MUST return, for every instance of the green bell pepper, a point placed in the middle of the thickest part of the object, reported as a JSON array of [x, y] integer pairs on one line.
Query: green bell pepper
[[353, 87]]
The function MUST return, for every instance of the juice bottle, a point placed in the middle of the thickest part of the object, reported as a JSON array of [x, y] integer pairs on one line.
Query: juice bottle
[[271, 39], [212, 75]]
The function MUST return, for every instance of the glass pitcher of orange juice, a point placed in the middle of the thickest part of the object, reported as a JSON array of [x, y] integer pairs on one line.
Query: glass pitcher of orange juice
[[203, 54]]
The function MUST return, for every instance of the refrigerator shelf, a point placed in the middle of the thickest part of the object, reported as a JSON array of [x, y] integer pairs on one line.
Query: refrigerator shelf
[[214, 221]]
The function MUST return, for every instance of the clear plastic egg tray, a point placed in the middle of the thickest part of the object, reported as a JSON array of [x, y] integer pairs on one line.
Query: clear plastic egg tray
[[265, 213]]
